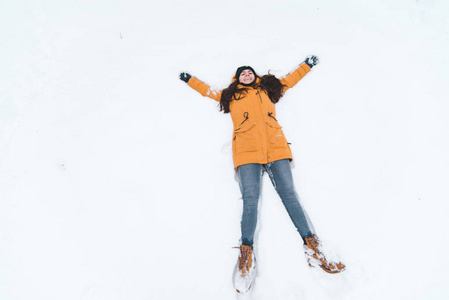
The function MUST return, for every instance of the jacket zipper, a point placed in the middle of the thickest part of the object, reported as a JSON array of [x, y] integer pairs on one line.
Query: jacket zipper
[[266, 131], [258, 93]]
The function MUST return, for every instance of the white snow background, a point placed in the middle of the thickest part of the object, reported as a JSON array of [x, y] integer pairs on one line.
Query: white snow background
[[116, 178]]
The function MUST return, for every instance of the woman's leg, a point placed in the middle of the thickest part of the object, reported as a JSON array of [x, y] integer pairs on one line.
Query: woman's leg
[[281, 176], [250, 184]]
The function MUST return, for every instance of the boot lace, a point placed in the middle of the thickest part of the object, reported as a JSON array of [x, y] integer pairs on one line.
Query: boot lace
[[245, 259], [313, 243]]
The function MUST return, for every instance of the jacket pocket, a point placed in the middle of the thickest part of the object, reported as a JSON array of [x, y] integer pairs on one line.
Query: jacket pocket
[[276, 135], [246, 138]]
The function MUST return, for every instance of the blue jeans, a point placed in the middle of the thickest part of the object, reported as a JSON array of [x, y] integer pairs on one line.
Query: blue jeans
[[250, 178]]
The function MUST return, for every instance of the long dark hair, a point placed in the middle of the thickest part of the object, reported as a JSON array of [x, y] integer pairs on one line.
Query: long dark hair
[[268, 83]]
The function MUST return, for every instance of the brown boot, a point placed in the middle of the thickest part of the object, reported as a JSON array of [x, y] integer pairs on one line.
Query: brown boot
[[316, 257], [245, 271]]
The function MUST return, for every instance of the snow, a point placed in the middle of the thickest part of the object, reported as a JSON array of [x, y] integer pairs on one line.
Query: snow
[[116, 178]]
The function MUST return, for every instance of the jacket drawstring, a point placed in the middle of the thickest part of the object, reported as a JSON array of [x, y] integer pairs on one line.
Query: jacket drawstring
[[270, 114], [245, 115]]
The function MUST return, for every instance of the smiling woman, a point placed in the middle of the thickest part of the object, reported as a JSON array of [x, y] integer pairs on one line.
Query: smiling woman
[[246, 76], [259, 146]]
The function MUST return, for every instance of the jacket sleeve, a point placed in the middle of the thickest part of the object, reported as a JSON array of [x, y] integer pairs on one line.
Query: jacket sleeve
[[204, 89], [291, 79]]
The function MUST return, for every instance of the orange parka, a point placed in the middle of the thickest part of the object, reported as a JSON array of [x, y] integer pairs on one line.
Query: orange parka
[[257, 136]]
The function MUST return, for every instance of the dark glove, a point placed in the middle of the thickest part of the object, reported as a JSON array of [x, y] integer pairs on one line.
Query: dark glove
[[311, 61], [185, 77]]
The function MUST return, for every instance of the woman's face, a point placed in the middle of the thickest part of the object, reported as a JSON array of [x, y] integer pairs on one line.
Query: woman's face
[[247, 76]]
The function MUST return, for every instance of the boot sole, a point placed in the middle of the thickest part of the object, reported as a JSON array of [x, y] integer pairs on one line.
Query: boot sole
[[332, 271], [244, 292]]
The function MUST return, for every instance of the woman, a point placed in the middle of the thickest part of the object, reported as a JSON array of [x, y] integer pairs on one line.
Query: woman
[[259, 146]]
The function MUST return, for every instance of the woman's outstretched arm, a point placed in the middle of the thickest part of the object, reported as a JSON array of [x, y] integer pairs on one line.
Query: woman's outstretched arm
[[200, 86], [291, 79]]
